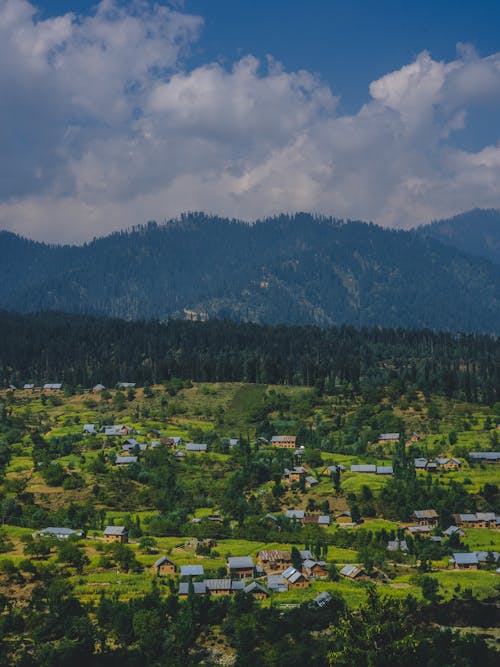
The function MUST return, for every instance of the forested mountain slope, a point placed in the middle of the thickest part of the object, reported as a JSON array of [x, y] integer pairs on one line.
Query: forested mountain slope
[[289, 269]]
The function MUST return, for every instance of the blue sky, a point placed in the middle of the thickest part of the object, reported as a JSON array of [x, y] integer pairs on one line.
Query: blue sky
[[245, 108]]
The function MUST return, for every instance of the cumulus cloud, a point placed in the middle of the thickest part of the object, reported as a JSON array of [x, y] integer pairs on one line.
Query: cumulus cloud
[[102, 126]]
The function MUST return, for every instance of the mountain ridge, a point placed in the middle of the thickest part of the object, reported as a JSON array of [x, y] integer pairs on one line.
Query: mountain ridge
[[291, 269]]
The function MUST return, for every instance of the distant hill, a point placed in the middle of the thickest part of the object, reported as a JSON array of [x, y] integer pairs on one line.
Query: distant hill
[[476, 232], [289, 269]]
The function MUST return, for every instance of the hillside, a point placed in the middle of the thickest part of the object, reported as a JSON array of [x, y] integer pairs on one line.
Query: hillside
[[476, 232], [290, 269]]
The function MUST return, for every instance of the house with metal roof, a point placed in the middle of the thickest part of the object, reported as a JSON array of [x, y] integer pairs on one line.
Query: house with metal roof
[[52, 386], [453, 530], [284, 441], [305, 554], [257, 590], [125, 460], [322, 599], [295, 515], [115, 534], [276, 583], [397, 545], [196, 447], [447, 463], [388, 437], [28, 387], [273, 559], [465, 560], [487, 457], [199, 588], [60, 533], [192, 570], [351, 572], [384, 470], [223, 586], [163, 567], [240, 566], [426, 517], [294, 578], [344, 517], [311, 481], [314, 568], [364, 468]]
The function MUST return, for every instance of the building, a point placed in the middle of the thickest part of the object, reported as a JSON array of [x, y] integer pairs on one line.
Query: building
[[364, 468], [477, 520], [98, 387], [28, 387], [196, 447], [397, 545], [486, 457], [199, 588], [223, 586], [448, 463], [311, 481], [295, 474], [294, 578], [126, 385], [465, 561], [322, 520], [89, 429], [277, 583], [59, 533], [116, 534], [384, 470], [453, 530], [322, 599], [125, 460], [284, 441], [388, 438], [272, 560], [192, 571], [163, 567], [314, 568], [344, 517], [116, 430], [295, 515], [424, 531], [52, 386], [240, 566], [426, 517], [257, 590], [351, 572]]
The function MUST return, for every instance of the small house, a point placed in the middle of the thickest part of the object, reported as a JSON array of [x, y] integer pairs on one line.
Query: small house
[[311, 481], [277, 583], [369, 468], [163, 567], [426, 517], [344, 517], [199, 448], [240, 566], [192, 571], [385, 438], [351, 572], [257, 590], [448, 463], [465, 561], [89, 429], [294, 578], [116, 534], [284, 441], [125, 460], [60, 533], [322, 599], [198, 588], [272, 560], [223, 586], [295, 515], [314, 568], [98, 387], [384, 470]]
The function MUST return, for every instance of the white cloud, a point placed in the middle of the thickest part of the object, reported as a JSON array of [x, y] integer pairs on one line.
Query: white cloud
[[101, 127]]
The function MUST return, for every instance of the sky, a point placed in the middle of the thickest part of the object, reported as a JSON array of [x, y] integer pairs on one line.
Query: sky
[[115, 113]]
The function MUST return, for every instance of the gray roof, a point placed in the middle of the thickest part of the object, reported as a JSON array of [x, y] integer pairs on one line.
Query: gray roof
[[275, 582], [56, 531], [397, 545], [364, 468], [239, 562], [384, 470], [350, 571], [451, 530], [89, 428], [52, 385], [161, 560], [199, 588], [125, 460], [324, 520], [295, 514], [292, 575], [305, 554], [311, 480], [487, 456], [255, 587], [192, 570], [322, 599], [420, 463], [196, 447], [389, 436], [465, 558], [425, 514], [115, 530]]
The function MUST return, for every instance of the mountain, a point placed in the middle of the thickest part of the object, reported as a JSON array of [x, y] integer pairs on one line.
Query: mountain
[[288, 269], [476, 233]]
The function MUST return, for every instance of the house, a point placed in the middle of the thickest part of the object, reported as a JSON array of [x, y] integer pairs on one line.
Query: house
[[448, 464], [364, 468], [322, 599], [273, 560], [295, 474], [163, 567], [351, 572], [116, 430], [384, 470], [420, 464], [89, 429], [179, 454], [305, 554], [199, 588], [426, 517], [52, 386], [98, 387], [223, 586], [432, 466], [344, 517], [311, 481], [397, 545], [126, 385], [277, 583], [294, 578], [233, 442], [330, 471], [240, 566], [60, 533], [257, 590], [477, 520], [153, 433], [465, 561], [125, 460], [141, 446], [284, 441], [116, 534], [453, 530], [388, 437], [414, 437], [425, 531], [314, 568], [295, 515], [192, 571], [322, 520], [28, 387], [487, 457], [195, 447]]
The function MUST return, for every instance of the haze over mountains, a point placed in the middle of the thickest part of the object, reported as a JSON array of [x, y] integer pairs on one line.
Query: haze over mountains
[[288, 269]]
